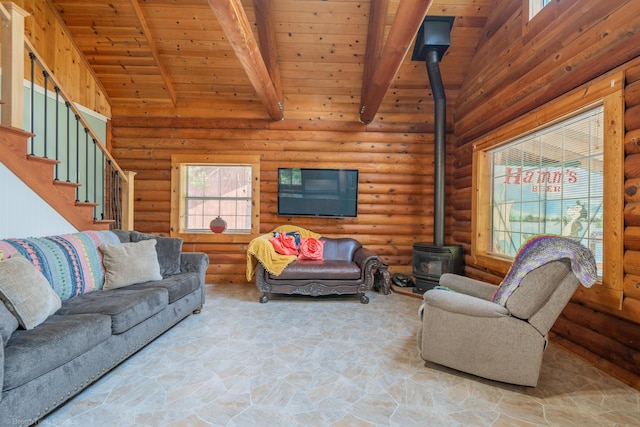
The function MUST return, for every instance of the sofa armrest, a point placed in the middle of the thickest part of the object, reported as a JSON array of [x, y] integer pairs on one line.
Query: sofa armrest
[[455, 302], [466, 285], [193, 262], [363, 255]]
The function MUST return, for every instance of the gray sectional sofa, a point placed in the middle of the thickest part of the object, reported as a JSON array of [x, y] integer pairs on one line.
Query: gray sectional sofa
[[102, 318]]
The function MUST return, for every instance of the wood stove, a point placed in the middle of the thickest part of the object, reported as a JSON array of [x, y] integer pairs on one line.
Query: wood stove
[[432, 261]]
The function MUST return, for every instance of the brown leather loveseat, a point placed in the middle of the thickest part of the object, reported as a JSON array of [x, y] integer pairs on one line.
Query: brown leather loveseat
[[347, 268]]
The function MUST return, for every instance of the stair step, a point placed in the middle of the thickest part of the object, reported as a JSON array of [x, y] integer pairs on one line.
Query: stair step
[[104, 221], [66, 183], [87, 204], [43, 159]]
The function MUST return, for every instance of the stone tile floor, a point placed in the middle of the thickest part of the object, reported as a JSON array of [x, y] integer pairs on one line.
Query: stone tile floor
[[300, 361]]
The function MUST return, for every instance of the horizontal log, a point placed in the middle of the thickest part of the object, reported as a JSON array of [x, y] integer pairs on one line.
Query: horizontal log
[[463, 219], [632, 238], [623, 331], [632, 118], [631, 262], [464, 182], [631, 309], [158, 227], [632, 94], [632, 188], [463, 171], [632, 166], [481, 275], [631, 286], [208, 123], [632, 142], [632, 213], [603, 346], [632, 74], [463, 237]]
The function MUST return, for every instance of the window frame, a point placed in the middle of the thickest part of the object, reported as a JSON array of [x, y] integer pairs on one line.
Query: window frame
[[178, 196], [607, 91]]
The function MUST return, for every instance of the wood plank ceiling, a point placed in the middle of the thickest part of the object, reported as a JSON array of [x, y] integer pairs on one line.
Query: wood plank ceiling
[[341, 60]]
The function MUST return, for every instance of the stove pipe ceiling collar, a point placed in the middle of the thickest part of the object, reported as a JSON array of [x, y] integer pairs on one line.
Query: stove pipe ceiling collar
[[434, 34]]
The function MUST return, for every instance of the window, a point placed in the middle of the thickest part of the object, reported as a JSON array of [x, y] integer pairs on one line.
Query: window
[[556, 170], [218, 191], [550, 182], [205, 187], [536, 6]]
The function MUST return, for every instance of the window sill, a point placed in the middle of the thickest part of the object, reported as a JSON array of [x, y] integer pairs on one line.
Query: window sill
[[210, 237]]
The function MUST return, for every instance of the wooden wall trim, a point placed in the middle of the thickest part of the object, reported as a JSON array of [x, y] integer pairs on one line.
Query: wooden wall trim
[[283, 125]]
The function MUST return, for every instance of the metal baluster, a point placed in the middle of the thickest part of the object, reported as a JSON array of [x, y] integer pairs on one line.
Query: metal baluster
[[116, 201], [57, 155], [32, 57], [68, 105], [77, 157], [86, 163], [46, 89], [95, 177]]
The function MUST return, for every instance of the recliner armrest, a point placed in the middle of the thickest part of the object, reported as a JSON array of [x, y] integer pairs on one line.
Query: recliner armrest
[[456, 302], [468, 286]]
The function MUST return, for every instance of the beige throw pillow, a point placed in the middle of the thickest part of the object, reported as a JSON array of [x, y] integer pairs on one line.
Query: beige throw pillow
[[129, 263], [26, 292]]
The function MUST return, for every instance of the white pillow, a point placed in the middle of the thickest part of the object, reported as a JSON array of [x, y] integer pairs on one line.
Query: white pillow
[[26, 292], [129, 263]]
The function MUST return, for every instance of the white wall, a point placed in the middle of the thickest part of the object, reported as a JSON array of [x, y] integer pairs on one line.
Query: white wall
[[23, 213]]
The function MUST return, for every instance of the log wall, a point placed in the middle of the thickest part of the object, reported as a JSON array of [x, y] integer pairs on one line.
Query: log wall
[[538, 62], [395, 166]]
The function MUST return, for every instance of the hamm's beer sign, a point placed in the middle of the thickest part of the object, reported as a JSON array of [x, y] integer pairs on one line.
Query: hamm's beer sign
[[548, 181]]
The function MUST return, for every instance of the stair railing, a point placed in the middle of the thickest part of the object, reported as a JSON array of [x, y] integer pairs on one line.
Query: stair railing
[[60, 131], [65, 136]]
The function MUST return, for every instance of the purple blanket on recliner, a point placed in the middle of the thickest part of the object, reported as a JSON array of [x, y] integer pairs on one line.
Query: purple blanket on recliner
[[540, 250]]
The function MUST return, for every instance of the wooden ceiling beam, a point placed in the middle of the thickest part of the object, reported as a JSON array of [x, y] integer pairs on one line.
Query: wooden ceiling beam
[[267, 40], [404, 28], [375, 39], [235, 24], [154, 51]]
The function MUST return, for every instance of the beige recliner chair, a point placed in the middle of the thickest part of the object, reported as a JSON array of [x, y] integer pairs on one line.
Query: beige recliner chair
[[501, 335]]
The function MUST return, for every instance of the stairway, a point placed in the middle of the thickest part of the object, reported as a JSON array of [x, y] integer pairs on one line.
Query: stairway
[[37, 173]]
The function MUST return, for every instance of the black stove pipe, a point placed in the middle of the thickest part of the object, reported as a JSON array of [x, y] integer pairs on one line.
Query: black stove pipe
[[440, 124]]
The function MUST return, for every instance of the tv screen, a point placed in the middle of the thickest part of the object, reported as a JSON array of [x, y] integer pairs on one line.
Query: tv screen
[[318, 192]]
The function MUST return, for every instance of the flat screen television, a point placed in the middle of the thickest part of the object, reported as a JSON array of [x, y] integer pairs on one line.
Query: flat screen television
[[318, 192]]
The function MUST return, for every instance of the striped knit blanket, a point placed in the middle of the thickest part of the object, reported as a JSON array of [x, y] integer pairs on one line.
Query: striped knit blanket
[[540, 250], [72, 263]]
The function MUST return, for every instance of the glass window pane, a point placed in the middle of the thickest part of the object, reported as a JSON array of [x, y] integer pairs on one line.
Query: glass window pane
[[218, 190], [550, 182]]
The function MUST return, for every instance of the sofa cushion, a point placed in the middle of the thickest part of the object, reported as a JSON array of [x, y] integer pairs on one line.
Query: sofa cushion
[[177, 285], [58, 340], [168, 250], [320, 270], [8, 323], [125, 306], [26, 292], [71, 263], [129, 263]]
